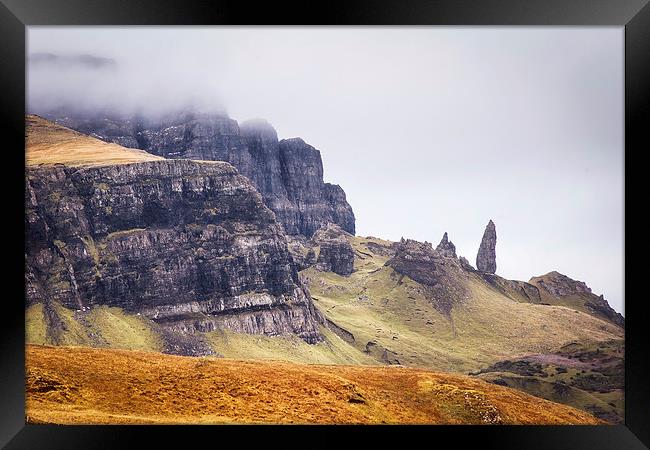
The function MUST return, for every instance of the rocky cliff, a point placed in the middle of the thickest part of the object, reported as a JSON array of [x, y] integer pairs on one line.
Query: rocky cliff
[[188, 244], [335, 252], [486, 259], [288, 173]]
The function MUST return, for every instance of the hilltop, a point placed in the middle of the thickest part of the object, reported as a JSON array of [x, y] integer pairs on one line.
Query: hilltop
[[49, 143]]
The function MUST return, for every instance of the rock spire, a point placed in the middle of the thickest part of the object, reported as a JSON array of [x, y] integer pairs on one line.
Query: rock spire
[[486, 259]]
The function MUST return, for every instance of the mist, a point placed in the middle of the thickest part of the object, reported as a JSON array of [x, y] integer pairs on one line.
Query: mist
[[428, 129]]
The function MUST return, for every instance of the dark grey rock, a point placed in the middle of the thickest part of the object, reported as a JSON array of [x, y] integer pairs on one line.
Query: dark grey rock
[[446, 248], [486, 259], [288, 173], [189, 244], [443, 279], [465, 264], [561, 286], [336, 254]]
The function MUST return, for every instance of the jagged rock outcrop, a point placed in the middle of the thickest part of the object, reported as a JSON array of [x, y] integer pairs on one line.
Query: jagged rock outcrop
[[188, 244], [486, 259], [442, 277], [335, 254], [446, 247], [556, 288], [288, 173], [465, 264]]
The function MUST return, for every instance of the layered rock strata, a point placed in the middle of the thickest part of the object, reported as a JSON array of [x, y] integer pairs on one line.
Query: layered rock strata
[[335, 252], [188, 244], [288, 173]]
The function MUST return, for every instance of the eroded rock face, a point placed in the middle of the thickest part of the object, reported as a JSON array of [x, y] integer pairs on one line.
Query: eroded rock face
[[336, 254], [446, 247], [189, 244], [301, 250], [288, 173], [486, 259], [443, 277], [559, 286]]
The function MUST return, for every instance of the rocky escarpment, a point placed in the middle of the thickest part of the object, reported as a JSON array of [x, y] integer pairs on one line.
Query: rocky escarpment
[[188, 244], [556, 288], [486, 259], [442, 276], [335, 252], [288, 173]]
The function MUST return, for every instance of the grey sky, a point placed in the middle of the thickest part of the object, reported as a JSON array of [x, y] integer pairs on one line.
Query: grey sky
[[428, 129]]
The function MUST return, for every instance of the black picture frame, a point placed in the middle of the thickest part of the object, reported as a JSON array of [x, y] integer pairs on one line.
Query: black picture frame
[[15, 15]]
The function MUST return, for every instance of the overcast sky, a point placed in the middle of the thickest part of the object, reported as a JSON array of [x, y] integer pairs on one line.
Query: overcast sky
[[428, 129]]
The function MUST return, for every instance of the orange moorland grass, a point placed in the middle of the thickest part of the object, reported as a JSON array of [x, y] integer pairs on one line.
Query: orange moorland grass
[[79, 385], [49, 143]]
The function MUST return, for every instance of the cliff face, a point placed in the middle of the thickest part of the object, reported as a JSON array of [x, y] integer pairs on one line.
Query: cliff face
[[335, 252], [288, 173], [188, 244]]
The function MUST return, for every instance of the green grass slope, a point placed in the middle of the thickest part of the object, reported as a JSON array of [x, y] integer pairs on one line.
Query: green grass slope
[[390, 317], [101, 326]]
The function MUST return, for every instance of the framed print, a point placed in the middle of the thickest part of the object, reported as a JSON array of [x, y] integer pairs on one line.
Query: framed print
[[403, 218]]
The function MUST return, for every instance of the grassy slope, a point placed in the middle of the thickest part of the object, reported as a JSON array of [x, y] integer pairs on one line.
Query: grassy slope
[[287, 348], [375, 306], [548, 389], [49, 143], [84, 385], [102, 326]]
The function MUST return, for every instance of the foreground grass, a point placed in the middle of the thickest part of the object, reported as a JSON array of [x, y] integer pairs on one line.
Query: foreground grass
[[69, 385]]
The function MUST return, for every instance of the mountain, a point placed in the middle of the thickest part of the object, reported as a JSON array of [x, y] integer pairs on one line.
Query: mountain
[[407, 303], [188, 244], [288, 173], [128, 250]]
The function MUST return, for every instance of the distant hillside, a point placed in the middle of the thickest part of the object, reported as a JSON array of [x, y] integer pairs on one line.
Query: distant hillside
[[558, 289], [398, 320], [91, 386], [589, 376]]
